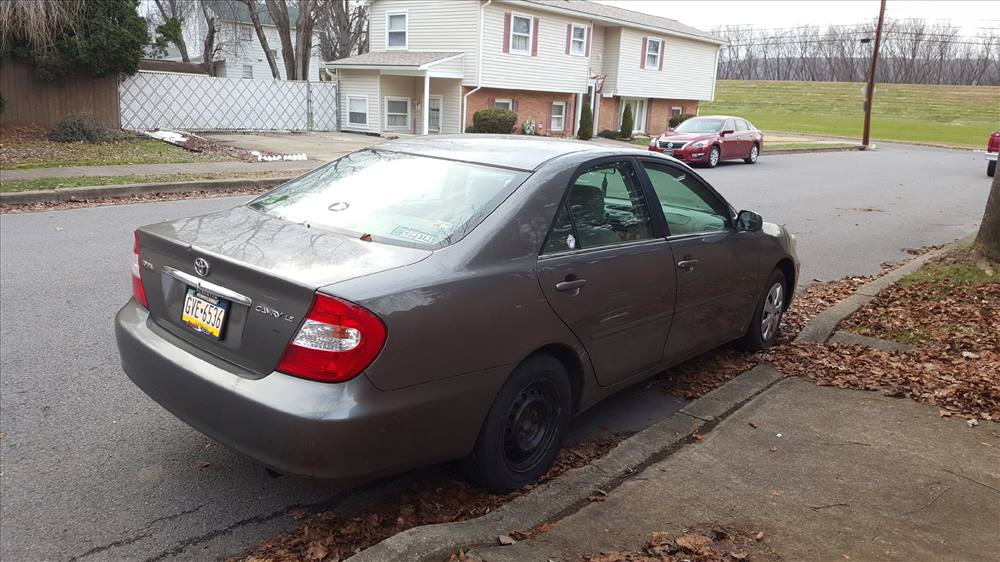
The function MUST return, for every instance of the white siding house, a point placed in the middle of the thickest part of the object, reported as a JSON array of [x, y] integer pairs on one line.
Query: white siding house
[[432, 64]]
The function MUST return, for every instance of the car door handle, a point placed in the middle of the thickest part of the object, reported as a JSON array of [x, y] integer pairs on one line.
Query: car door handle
[[570, 285], [687, 265]]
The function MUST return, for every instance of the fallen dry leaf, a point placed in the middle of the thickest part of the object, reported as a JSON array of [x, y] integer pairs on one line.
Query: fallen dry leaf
[[316, 551], [506, 540]]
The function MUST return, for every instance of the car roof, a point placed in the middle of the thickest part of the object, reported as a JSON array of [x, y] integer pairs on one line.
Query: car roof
[[519, 152]]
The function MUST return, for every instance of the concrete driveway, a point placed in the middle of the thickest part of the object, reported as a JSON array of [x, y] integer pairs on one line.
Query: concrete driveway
[[322, 146], [91, 469]]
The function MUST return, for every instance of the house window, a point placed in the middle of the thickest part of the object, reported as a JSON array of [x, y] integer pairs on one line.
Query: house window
[[357, 111], [520, 34], [676, 111], [248, 71], [578, 41], [246, 33], [396, 27], [653, 47], [397, 113], [503, 104], [434, 114], [558, 116]]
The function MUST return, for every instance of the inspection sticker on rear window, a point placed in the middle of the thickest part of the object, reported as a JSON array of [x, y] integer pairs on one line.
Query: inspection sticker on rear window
[[416, 235]]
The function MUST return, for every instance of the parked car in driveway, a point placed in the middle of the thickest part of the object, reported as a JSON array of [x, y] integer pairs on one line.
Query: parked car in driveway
[[440, 298], [711, 139], [992, 150]]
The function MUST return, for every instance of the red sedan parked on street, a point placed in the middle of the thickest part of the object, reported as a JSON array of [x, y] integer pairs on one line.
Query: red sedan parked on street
[[711, 139]]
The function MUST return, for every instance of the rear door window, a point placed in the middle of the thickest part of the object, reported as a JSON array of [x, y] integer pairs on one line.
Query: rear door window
[[603, 206], [741, 125]]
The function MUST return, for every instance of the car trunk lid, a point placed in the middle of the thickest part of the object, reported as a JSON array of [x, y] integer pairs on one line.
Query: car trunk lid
[[263, 271]]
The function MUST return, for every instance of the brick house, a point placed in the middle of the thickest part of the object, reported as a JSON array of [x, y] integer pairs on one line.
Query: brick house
[[433, 64]]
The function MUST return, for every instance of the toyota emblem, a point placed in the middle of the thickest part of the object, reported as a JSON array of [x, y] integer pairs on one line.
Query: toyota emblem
[[201, 267]]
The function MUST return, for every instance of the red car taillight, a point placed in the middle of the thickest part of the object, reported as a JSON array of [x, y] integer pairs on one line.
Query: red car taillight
[[138, 291], [993, 145], [336, 342]]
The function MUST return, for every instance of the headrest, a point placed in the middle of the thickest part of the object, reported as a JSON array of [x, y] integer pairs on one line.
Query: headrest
[[586, 203]]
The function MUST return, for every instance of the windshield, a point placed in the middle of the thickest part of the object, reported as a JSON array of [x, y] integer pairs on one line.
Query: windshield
[[700, 125], [393, 197]]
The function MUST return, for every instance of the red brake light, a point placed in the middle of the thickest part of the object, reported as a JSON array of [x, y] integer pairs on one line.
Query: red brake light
[[138, 291], [336, 342]]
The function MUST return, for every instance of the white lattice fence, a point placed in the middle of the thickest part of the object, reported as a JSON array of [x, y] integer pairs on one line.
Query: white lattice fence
[[166, 100]]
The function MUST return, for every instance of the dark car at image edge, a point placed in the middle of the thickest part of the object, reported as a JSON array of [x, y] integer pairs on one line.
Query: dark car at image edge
[[442, 298]]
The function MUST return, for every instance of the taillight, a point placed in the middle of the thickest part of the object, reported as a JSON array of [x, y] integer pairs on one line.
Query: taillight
[[138, 291], [336, 342]]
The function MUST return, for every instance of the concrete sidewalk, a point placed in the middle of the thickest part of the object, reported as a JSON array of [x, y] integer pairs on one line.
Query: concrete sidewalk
[[161, 169], [827, 474]]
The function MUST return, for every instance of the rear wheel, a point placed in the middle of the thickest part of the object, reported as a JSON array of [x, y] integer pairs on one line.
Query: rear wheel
[[754, 154], [991, 168], [525, 426], [766, 323], [714, 156]]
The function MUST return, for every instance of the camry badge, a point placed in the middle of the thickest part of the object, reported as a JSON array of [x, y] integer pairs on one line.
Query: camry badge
[[201, 267]]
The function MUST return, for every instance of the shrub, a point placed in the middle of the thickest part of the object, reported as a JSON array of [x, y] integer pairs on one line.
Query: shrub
[[81, 127], [628, 123], [498, 121], [586, 123], [678, 119], [609, 134], [470, 129]]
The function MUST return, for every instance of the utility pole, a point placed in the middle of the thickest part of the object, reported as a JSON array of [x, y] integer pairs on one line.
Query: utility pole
[[870, 90]]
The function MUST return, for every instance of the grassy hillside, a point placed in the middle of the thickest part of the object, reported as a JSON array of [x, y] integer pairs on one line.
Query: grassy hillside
[[952, 115]]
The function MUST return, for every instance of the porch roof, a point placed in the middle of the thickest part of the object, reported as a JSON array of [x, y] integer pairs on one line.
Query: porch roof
[[395, 59]]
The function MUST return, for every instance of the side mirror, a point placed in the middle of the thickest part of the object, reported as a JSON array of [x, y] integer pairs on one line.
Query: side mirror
[[749, 221], [726, 132]]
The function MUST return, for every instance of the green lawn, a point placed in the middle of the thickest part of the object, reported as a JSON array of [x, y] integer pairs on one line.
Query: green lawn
[[42, 184], [949, 115], [34, 151]]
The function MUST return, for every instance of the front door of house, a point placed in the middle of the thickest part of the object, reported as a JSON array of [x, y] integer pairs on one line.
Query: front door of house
[[638, 113], [434, 115]]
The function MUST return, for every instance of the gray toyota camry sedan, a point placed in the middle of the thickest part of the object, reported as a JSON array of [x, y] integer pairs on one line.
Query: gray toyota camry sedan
[[442, 298]]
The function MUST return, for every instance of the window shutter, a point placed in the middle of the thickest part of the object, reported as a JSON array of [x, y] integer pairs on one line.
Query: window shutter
[[513, 105], [549, 123], [663, 53], [534, 37], [588, 42], [645, 42], [569, 36], [506, 32], [649, 112]]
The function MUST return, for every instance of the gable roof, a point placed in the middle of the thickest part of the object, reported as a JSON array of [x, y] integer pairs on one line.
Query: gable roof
[[394, 58], [238, 12], [622, 16]]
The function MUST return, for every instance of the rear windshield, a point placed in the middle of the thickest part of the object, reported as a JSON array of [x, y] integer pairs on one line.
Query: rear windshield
[[700, 125], [392, 197]]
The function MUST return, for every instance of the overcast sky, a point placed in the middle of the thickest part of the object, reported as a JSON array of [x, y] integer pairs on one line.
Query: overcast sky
[[970, 15]]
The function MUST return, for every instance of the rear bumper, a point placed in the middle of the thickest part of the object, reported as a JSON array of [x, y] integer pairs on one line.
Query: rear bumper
[[340, 431], [991, 156]]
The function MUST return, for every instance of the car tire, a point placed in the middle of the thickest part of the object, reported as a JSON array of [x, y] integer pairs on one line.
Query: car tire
[[524, 429], [754, 154], [766, 323], [991, 168], [714, 156]]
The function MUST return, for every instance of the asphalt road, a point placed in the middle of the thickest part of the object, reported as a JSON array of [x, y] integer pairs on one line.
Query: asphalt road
[[91, 469]]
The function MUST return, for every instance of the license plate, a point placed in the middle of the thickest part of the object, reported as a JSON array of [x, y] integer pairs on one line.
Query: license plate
[[204, 313], [668, 151]]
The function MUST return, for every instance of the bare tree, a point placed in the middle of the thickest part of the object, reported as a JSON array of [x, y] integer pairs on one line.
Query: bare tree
[[38, 24], [252, 7], [988, 239], [178, 11], [343, 29], [210, 48], [913, 51]]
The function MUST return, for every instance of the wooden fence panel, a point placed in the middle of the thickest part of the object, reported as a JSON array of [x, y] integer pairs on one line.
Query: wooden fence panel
[[30, 101]]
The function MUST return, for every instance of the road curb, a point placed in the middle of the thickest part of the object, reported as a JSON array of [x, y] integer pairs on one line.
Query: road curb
[[127, 190], [824, 324], [858, 148], [569, 492]]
